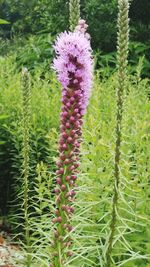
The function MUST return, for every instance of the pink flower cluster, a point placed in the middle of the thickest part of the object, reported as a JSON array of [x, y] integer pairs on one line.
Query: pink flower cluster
[[74, 67], [74, 64], [82, 27]]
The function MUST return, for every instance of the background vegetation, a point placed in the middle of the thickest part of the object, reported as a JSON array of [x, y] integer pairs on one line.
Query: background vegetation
[[35, 23], [95, 186]]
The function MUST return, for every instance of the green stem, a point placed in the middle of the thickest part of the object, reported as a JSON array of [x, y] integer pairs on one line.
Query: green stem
[[74, 6], [25, 151], [122, 54]]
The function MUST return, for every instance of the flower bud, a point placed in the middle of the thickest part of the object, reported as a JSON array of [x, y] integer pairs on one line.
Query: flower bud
[[72, 209], [59, 164], [59, 219], [63, 187], [67, 161], [69, 140], [68, 125], [57, 190], [64, 135], [63, 207], [68, 177], [62, 156], [70, 228], [72, 133], [68, 105], [72, 100], [69, 253], [64, 147], [71, 168], [73, 177], [59, 181]]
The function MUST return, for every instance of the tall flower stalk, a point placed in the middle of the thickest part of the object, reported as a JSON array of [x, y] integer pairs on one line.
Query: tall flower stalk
[[74, 6], [26, 95], [122, 54], [74, 65]]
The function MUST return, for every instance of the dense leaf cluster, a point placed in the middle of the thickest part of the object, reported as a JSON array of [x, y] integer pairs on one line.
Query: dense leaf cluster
[[33, 25], [52, 17]]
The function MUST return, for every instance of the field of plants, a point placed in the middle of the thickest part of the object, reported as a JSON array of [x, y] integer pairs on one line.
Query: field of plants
[[74, 185]]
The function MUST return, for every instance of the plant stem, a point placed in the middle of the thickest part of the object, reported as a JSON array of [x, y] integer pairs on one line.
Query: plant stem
[[25, 151], [122, 54], [74, 6]]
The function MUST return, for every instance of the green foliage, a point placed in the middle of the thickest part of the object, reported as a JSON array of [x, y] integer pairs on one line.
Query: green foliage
[[2, 21], [138, 50], [36, 51], [101, 17], [139, 12], [33, 52], [93, 204], [106, 63], [44, 16], [98, 164], [11, 128], [34, 25], [34, 16]]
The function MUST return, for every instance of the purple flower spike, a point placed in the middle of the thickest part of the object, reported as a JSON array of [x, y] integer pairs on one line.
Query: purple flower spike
[[74, 67]]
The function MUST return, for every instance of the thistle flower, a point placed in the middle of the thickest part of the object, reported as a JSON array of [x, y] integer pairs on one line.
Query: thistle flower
[[74, 66]]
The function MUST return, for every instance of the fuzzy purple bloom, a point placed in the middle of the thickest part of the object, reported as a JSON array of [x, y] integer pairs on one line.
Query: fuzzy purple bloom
[[74, 65]]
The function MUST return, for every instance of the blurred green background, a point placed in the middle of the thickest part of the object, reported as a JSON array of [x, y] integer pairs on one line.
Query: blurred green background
[[34, 24]]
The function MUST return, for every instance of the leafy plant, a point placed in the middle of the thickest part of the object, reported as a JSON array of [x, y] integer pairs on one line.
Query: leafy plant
[[36, 51], [136, 51], [2, 21]]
